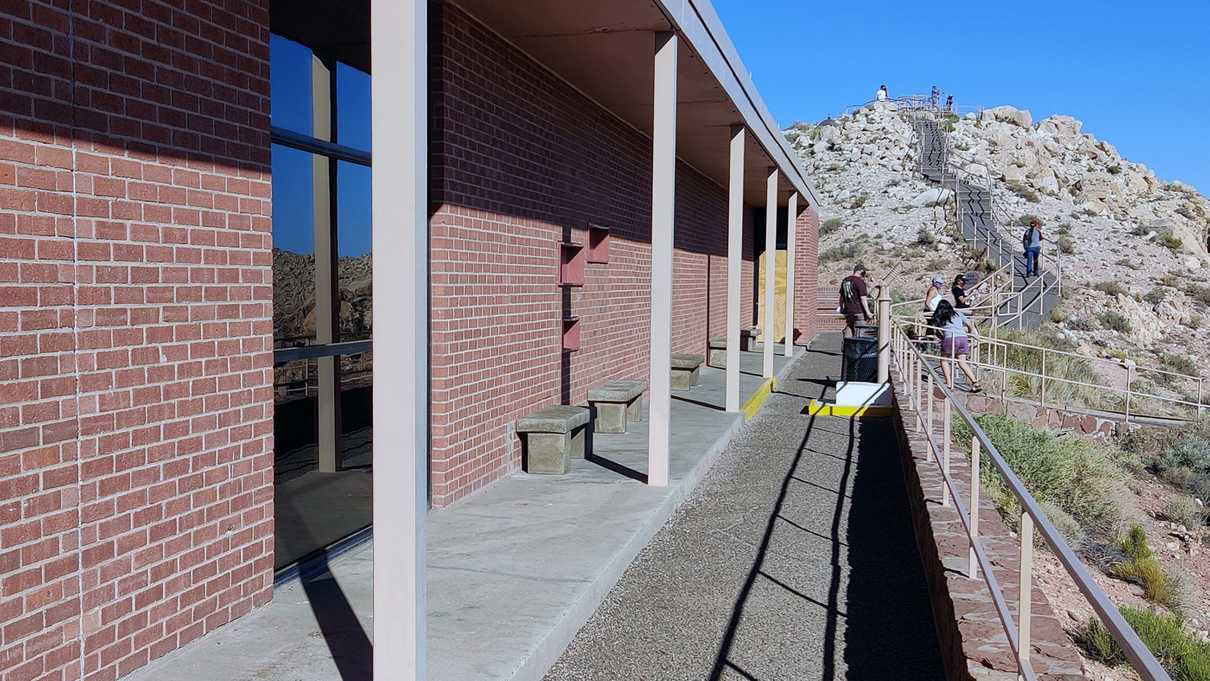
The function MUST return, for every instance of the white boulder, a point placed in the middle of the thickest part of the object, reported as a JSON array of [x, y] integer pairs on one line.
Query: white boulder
[[932, 197]]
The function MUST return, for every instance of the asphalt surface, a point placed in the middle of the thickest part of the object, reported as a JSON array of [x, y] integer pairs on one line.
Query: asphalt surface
[[794, 559]]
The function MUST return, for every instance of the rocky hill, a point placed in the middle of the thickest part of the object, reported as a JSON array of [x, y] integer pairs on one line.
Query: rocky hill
[[294, 295], [1133, 247]]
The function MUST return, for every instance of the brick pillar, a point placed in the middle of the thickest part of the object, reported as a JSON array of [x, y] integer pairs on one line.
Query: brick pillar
[[806, 270]]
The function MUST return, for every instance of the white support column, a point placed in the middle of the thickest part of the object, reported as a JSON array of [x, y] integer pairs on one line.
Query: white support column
[[770, 268], [663, 209], [791, 219], [735, 246], [399, 110]]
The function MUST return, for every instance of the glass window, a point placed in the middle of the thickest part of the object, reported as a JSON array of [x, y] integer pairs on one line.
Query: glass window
[[323, 439], [353, 95], [293, 248], [353, 236], [290, 85]]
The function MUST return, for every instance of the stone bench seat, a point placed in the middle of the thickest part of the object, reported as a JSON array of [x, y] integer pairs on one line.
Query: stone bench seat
[[616, 403], [685, 370], [718, 346], [551, 437]]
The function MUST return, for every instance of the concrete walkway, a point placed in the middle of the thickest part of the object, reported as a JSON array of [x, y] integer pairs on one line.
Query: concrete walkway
[[794, 559], [513, 572]]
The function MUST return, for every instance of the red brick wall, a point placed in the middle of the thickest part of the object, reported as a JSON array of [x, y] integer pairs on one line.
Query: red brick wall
[[522, 161], [807, 296], [135, 326]]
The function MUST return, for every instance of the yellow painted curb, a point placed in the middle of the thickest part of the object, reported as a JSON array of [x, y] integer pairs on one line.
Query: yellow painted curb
[[823, 409], [758, 398]]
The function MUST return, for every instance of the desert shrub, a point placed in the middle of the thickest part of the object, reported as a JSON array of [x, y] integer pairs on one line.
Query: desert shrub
[[1115, 169], [1184, 656], [925, 237], [1023, 191], [1182, 364], [1058, 366], [1079, 324], [1185, 463], [1064, 229], [1199, 293], [1195, 321], [1024, 220], [859, 201], [842, 252], [1058, 316], [1185, 511], [1114, 321], [1171, 242], [1067, 526], [1066, 245], [1155, 296], [1143, 568], [1127, 262], [1076, 476], [830, 225], [1111, 287], [1141, 230]]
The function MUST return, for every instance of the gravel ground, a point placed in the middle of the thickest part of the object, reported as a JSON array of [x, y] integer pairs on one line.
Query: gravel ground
[[793, 560]]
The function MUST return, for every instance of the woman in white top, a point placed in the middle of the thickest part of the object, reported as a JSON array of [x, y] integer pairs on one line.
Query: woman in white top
[[881, 95], [935, 293]]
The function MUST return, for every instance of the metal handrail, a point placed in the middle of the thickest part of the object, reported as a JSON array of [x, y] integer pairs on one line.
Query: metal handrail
[[1128, 393], [916, 372]]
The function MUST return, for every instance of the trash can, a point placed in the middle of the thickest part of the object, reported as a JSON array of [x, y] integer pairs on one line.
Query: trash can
[[860, 359]]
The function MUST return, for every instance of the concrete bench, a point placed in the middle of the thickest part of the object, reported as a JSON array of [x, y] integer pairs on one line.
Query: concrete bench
[[551, 437], [616, 402], [718, 347], [685, 369]]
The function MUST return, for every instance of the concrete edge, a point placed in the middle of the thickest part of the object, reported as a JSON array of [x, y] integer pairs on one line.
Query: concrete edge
[[547, 652]]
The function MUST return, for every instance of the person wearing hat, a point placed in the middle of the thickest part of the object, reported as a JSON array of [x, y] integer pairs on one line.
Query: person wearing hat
[[934, 294], [855, 299]]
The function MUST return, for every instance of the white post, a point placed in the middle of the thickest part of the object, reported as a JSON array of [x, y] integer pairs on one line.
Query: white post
[[791, 219], [884, 333], [663, 205], [972, 570], [735, 247], [1025, 597], [399, 110], [770, 267]]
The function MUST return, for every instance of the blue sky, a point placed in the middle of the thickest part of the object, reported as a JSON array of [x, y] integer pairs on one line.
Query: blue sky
[[290, 80], [1137, 74]]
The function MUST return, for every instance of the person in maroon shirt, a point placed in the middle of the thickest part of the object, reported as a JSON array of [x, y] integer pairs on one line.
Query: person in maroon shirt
[[855, 299]]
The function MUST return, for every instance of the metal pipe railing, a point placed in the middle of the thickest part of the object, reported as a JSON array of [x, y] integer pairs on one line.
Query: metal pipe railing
[[1127, 393], [914, 369]]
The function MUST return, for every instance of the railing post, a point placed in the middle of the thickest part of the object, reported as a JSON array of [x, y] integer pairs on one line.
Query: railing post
[[930, 431], [1129, 382], [1042, 383], [972, 570], [1025, 597], [1200, 380], [945, 451], [917, 385], [884, 334]]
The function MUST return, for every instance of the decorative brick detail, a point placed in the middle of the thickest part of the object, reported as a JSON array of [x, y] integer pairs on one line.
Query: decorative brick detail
[[135, 330], [521, 160], [973, 642], [1097, 427]]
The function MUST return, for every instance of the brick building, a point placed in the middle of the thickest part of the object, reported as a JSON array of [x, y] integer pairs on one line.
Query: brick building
[[187, 365]]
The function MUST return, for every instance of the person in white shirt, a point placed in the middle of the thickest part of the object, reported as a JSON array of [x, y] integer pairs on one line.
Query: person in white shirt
[[881, 95]]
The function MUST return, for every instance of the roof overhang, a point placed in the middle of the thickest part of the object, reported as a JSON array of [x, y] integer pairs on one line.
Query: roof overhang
[[606, 49]]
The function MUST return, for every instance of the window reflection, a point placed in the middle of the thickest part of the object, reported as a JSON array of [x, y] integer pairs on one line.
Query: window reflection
[[322, 424]]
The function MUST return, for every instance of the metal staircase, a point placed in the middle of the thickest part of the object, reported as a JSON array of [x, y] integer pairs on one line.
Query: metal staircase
[[986, 225]]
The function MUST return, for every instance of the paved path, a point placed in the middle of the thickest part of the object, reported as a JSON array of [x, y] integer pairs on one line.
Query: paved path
[[794, 559]]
